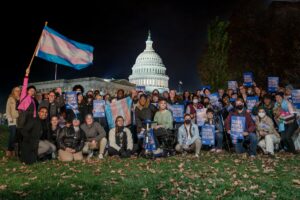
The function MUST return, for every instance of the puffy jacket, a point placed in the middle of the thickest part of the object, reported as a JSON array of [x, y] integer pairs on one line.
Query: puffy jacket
[[70, 138]]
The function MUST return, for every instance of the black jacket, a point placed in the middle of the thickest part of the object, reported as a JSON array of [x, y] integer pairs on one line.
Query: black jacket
[[71, 139], [142, 114], [31, 133]]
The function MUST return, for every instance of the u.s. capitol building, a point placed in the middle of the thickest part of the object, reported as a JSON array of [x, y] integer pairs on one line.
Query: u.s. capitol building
[[149, 70]]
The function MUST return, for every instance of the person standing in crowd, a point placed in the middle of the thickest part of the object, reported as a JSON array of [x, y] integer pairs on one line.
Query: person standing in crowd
[[249, 132], [154, 104], [242, 93], [227, 107], [221, 92], [120, 94], [54, 103], [27, 105], [95, 137], [267, 104], [31, 133], [78, 89], [165, 95], [71, 141], [288, 92], [45, 146], [120, 140], [188, 137], [215, 120], [186, 98], [267, 135], [192, 108], [229, 92], [12, 116], [206, 92], [82, 108], [173, 99], [285, 116]]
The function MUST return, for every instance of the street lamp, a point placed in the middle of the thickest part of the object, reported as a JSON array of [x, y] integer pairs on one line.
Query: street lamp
[[180, 87]]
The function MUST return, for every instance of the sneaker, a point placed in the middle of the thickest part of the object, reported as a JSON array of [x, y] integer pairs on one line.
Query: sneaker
[[90, 155], [252, 157], [219, 151], [53, 155], [213, 150], [196, 155], [100, 156]]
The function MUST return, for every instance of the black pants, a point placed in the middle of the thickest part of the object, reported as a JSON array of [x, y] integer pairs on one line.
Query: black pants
[[123, 154], [286, 136]]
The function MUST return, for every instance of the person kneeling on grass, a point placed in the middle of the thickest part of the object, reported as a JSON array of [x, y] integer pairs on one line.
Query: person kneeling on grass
[[71, 141], [95, 135], [188, 137], [214, 119], [120, 140], [266, 132]]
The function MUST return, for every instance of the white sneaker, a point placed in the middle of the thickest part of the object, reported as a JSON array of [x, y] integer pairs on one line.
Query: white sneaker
[[100, 156], [196, 155], [53, 155]]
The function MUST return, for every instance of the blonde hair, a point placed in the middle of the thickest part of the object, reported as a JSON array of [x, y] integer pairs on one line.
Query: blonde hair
[[12, 94]]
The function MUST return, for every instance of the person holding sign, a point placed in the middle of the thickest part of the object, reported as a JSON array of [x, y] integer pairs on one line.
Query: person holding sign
[[266, 133], [188, 137], [249, 128], [285, 116], [214, 120], [192, 108]]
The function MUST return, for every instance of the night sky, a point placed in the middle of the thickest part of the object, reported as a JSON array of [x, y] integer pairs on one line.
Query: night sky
[[117, 31]]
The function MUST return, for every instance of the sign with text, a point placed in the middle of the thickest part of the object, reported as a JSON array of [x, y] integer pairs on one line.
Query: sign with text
[[233, 85], [177, 111], [140, 88], [208, 134], [273, 84], [99, 108], [251, 101], [71, 101], [248, 79], [238, 126], [200, 116], [296, 98], [214, 98]]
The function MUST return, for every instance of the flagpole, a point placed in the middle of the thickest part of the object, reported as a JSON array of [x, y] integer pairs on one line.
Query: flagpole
[[36, 48], [55, 72]]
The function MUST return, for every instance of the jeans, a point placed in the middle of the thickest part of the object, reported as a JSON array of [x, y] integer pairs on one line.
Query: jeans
[[12, 138], [252, 139], [286, 136], [219, 140]]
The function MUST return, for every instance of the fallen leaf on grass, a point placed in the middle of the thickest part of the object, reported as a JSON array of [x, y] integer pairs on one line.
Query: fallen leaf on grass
[[21, 193], [33, 178], [296, 181], [145, 192], [253, 187], [3, 187]]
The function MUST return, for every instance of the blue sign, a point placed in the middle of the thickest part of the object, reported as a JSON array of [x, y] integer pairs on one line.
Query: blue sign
[[208, 133], [149, 141], [205, 87], [99, 108], [248, 79], [251, 101], [201, 116], [71, 101], [238, 126], [232, 85], [273, 84], [296, 98], [214, 98], [177, 112], [140, 88]]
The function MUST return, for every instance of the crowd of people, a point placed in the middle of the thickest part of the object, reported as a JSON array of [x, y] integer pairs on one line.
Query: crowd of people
[[43, 128]]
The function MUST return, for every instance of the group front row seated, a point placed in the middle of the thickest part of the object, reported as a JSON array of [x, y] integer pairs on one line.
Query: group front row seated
[[40, 139]]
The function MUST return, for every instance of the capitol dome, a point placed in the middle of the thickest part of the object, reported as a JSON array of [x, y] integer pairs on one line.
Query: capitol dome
[[149, 70]]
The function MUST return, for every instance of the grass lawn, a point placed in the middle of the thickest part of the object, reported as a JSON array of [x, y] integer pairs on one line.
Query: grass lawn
[[225, 176]]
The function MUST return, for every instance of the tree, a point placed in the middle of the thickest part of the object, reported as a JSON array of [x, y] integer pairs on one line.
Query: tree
[[213, 67]]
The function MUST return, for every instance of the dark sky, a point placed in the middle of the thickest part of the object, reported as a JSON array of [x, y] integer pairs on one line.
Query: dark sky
[[117, 31]]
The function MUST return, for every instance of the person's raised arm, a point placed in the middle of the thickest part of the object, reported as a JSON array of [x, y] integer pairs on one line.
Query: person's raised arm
[[25, 84]]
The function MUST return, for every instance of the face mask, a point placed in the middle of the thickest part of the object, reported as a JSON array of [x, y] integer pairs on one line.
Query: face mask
[[239, 107], [261, 114], [187, 121], [195, 101]]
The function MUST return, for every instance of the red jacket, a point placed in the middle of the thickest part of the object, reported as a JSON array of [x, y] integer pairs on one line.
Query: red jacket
[[250, 125]]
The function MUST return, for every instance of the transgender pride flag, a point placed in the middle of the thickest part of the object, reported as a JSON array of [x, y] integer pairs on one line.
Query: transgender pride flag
[[118, 108], [56, 48]]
